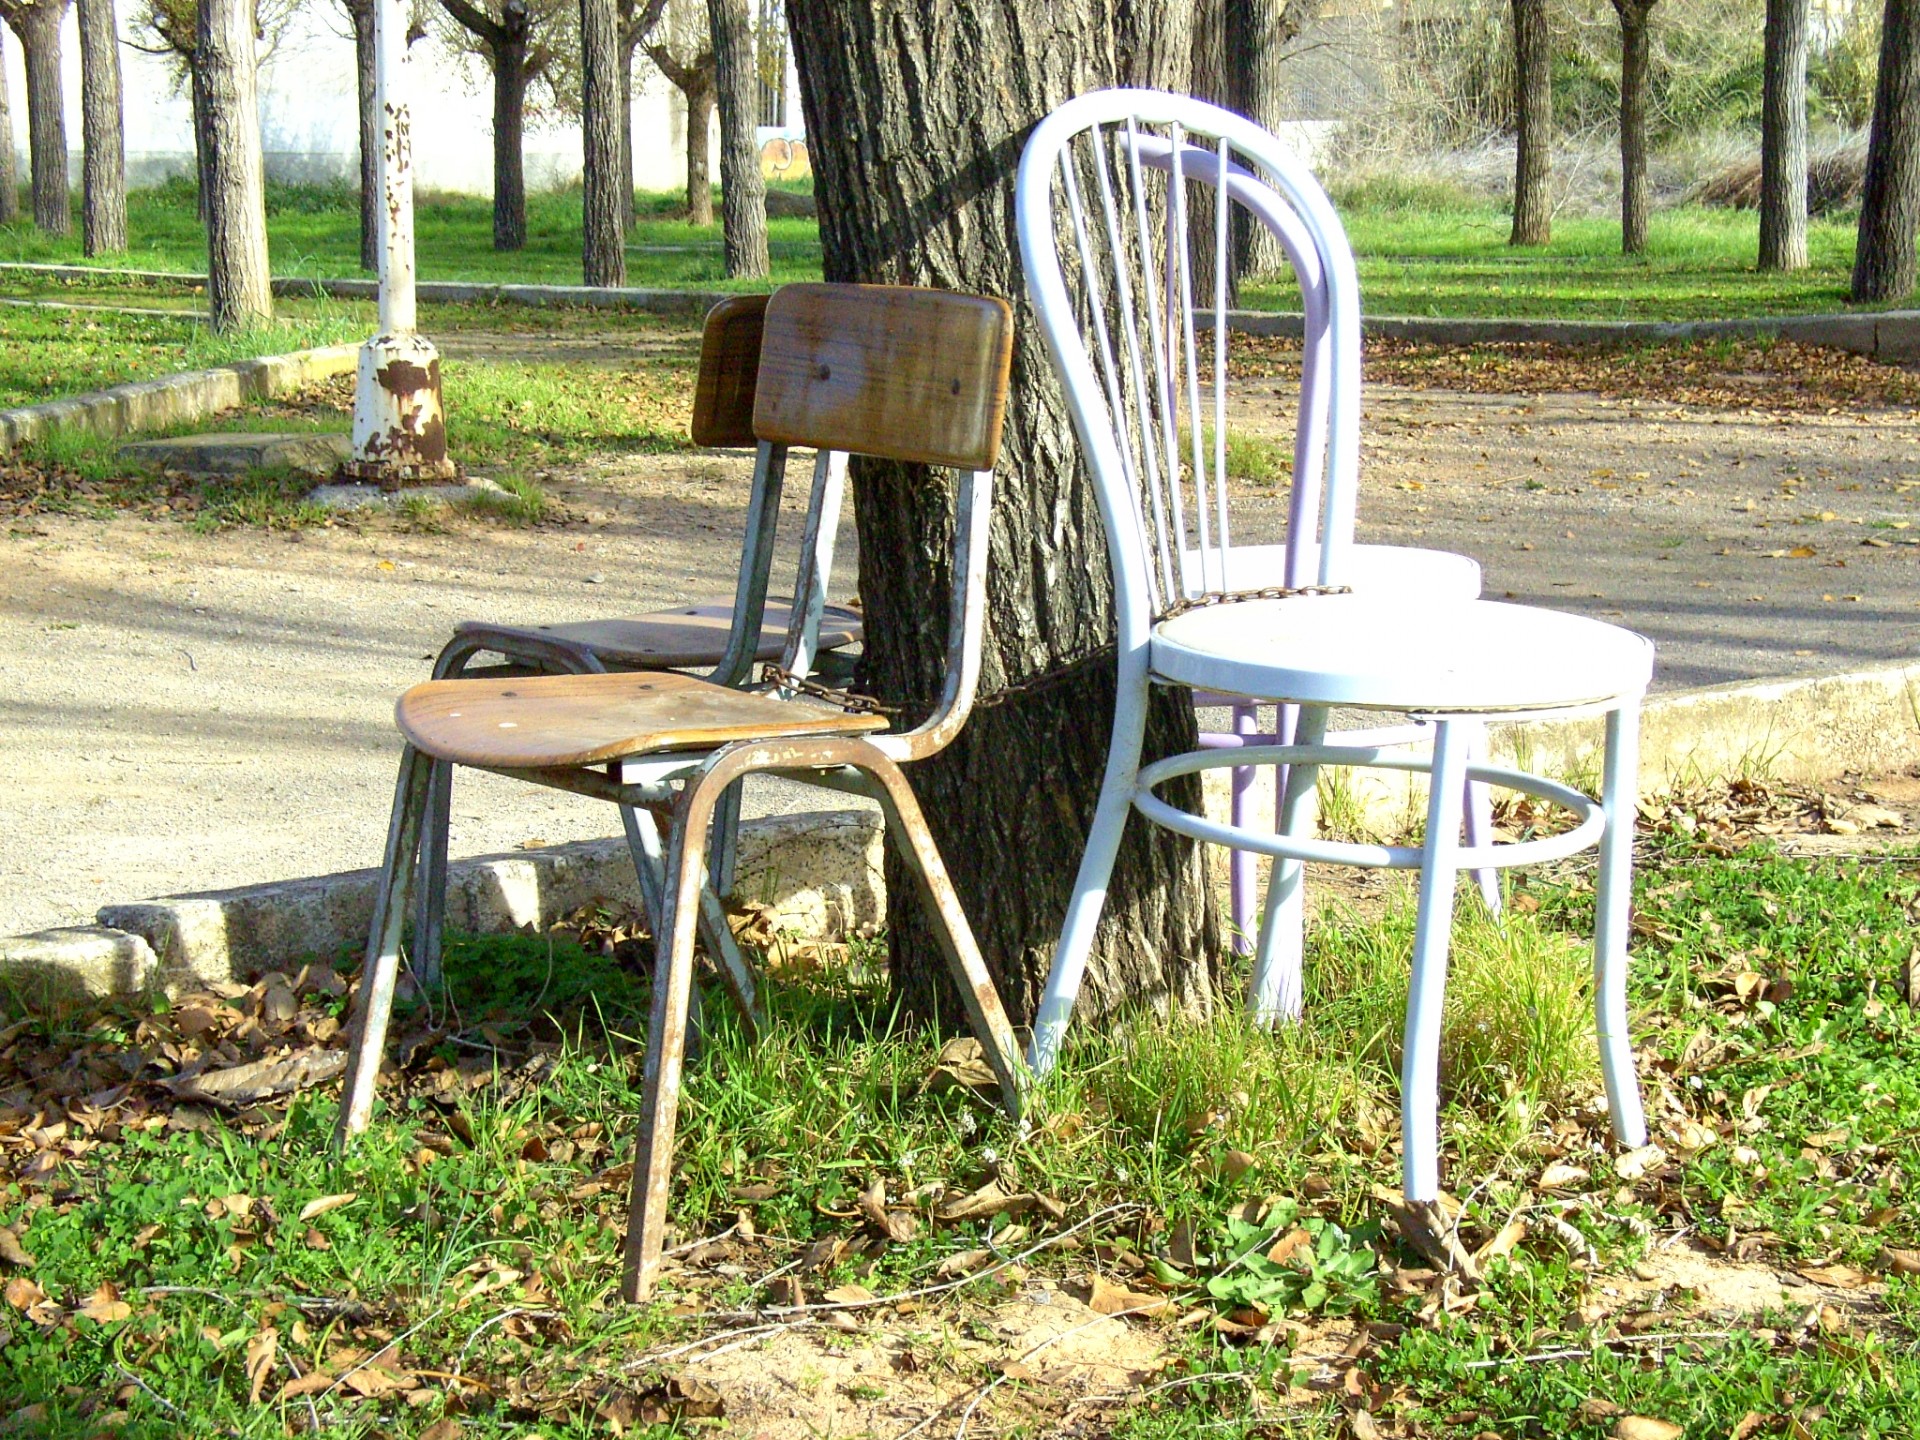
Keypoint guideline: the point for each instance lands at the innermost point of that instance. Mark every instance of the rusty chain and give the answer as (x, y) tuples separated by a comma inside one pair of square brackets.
[(855, 703)]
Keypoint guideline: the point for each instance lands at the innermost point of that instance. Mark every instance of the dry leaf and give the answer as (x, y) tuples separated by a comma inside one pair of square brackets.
[(1362, 1426), (22, 1293), (989, 1200), (962, 1065), (10, 1250), (1109, 1299), (1636, 1163), (105, 1306), (848, 1295), (1747, 1425), (1560, 1174), (445, 1428), (311, 1383), (261, 1350), (242, 1085), (964, 1263), (1840, 1277), (1511, 1234), (1596, 1408), (1641, 1427), (374, 1382), (1288, 1246), (1903, 1262), (313, 1209)]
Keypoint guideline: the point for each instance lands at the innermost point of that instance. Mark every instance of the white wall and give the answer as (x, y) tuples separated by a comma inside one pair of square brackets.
[(308, 125)]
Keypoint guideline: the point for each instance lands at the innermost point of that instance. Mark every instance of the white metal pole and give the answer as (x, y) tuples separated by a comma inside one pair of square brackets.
[(399, 428)]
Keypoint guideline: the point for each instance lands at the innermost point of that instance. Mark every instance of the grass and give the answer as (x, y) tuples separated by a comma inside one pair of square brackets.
[(1423, 250), (480, 1235)]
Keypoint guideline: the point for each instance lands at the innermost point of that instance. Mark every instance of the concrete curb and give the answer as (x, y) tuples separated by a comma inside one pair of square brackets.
[(1889, 335), (172, 399), (441, 292), (821, 872)]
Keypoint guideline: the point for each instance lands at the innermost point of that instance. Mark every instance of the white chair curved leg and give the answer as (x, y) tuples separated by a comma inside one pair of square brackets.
[(1089, 898), (1426, 996), (1612, 896), (1277, 992), (1479, 809)]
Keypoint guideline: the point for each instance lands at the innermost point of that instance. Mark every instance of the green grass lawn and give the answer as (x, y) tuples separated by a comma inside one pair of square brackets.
[(1420, 254), (179, 1269)]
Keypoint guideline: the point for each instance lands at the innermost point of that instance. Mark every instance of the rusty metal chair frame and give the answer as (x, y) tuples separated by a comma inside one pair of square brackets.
[(910, 375), (722, 419)]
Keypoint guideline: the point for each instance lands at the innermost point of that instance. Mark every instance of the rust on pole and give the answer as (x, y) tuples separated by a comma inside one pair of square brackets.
[(399, 426)]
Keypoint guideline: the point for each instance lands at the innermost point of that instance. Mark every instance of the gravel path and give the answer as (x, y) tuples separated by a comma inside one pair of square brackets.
[(190, 712)]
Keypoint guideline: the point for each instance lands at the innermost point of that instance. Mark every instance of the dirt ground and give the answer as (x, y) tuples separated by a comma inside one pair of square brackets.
[(186, 712)]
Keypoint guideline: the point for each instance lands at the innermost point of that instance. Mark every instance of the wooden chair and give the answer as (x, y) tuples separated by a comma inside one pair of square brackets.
[(910, 375), (725, 638), (1116, 304)]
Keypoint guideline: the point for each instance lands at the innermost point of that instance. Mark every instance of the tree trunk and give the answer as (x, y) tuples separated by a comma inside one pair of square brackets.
[(1533, 124), (1206, 80), (360, 12), (103, 205), (699, 174), (629, 42), (38, 26), (9, 173), (603, 259), (1634, 199), (743, 189), (202, 144), (509, 154), (1783, 138), (1255, 37), (915, 159), (1883, 260), (239, 285)]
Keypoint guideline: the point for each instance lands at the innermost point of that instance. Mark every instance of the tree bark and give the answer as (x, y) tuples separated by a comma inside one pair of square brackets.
[(103, 174), (38, 26), (1783, 138), (9, 172), (629, 42), (202, 145), (1255, 37), (699, 100), (915, 157), (1533, 124), (1634, 198), (743, 189), (360, 13), (1206, 80), (239, 285), (1883, 259), (508, 43), (603, 258)]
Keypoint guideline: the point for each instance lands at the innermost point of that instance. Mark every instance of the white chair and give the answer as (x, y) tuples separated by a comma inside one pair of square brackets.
[(1112, 288), (1405, 572)]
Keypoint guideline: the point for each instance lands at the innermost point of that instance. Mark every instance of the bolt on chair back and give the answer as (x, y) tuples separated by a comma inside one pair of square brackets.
[(1105, 243), (724, 638), (918, 376)]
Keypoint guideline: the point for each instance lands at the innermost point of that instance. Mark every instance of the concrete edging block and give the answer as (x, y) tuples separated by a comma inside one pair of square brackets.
[(76, 961)]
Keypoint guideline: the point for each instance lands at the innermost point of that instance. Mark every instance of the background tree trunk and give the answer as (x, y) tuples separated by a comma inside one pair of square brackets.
[(1883, 258), (1207, 80), (1634, 199), (38, 26), (699, 98), (1255, 36), (1533, 124), (360, 12), (603, 259), (1783, 138), (103, 205), (915, 159), (743, 189), (239, 285), (629, 42), (9, 171), (509, 153)]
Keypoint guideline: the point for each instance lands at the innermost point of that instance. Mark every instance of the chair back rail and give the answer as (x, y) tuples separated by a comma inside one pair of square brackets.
[(904, 374), (729, 361), (1103, 196)]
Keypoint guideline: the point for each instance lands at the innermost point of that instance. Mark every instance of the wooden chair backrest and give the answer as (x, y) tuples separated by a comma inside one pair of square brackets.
[(901, 373), (729, 363)]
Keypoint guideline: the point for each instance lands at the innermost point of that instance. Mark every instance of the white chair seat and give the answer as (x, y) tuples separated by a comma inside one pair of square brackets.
[(1386, 569), (1371, 653)]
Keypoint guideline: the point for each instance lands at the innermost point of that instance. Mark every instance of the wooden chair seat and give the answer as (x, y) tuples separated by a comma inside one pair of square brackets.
[(540, 722), (691, 635)]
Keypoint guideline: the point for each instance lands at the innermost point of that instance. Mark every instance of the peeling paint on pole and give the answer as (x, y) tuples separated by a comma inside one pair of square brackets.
[(399, 425)]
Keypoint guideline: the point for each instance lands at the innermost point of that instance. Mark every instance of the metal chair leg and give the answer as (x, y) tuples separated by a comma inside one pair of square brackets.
[(1240, 867), (666, 1045), (431, 894), (724, 848), (1613, 893), (1055, 1011), (907, 826), (368, 1036), (1479, 824), (1427, 990), (1277, 992)]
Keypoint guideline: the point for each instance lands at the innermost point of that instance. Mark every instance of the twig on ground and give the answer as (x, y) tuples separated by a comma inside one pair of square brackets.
[(1538, 1357), (1175, 1384), (487, 1324)]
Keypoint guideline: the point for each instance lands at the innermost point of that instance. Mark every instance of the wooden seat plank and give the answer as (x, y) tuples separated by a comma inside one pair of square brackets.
[(671, 639), (536, 722)]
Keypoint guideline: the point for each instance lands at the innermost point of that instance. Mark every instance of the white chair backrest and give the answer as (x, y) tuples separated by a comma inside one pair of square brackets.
[(1106, 245)]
